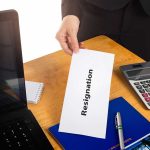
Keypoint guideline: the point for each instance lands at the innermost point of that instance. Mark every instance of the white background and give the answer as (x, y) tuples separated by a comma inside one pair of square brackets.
[(39, 22)]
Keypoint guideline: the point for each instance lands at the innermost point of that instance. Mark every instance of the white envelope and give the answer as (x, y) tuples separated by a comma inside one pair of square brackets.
[(86, 100)]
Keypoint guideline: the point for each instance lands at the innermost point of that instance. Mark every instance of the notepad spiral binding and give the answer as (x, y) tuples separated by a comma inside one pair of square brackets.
[(34, 91), (39, 92)]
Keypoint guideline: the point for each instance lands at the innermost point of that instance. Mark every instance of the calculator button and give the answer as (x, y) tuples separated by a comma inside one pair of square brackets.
[(143, 82), (136, 83), (142, 91), (139, 87), (144, 94), (145, 86), (147, 99), (147, 90), (148, 81)]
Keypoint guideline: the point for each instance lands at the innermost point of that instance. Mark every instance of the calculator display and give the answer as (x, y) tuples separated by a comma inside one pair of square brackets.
[(138, 72)]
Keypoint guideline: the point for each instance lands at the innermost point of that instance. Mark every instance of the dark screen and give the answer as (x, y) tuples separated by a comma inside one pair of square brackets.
[(138, 72), (11, 83)]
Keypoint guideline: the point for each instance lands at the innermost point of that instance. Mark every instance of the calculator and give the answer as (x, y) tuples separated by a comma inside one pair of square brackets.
[(138, 76)]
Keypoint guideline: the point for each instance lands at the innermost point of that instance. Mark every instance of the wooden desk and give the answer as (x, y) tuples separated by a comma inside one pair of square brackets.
[(53, 71)]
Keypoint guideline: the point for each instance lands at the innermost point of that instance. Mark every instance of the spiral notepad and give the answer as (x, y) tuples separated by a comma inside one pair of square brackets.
[(33, 91)]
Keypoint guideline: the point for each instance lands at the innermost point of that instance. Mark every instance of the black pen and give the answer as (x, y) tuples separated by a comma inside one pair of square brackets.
[(118, 122)]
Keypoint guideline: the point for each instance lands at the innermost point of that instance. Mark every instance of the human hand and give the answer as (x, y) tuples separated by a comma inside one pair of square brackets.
[(67, 34)]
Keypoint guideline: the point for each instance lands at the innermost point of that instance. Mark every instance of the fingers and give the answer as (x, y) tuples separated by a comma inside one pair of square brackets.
[(63, 40), (73, 43), (81, 45), (66, 48), (69, 43), (67, 35)]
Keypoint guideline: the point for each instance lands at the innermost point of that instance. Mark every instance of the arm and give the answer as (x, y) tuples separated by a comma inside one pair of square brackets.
[(71, 7)]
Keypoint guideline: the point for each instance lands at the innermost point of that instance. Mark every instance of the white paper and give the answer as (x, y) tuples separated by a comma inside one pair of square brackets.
[(85, 106)]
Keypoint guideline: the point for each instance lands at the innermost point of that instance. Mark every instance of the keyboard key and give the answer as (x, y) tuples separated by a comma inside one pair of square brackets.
[(136, 83), (4, 133), (139, 87), (144, 94), (19, 144), (9, 145), (24, 135), (148, 81), (147, 99), (148, 90), (142, 91), (143, 82), (145, 86)]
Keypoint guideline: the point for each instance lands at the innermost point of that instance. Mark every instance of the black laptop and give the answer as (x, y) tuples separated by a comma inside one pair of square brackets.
[(19, 129)]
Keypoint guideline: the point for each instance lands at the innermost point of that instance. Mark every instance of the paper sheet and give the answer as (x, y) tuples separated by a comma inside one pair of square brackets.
[(86, 100)]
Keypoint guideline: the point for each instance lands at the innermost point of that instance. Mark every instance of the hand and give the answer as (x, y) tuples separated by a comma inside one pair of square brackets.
[(67, 34)]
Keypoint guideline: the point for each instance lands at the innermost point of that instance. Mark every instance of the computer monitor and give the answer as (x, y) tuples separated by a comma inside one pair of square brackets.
[(12, 82)]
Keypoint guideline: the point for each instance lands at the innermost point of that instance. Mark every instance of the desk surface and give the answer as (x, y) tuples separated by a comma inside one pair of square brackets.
[(53, 70)]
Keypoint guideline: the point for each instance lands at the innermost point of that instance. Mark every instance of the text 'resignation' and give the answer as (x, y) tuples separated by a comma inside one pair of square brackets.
[(87, 93)]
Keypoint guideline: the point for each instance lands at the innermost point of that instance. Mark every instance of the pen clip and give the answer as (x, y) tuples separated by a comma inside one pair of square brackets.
[(116, 123)]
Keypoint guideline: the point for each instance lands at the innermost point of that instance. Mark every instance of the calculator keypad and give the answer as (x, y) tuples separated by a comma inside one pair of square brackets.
[(142, 87)]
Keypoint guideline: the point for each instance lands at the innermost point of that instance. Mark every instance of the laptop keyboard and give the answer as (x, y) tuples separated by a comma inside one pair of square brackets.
[(17, 136)]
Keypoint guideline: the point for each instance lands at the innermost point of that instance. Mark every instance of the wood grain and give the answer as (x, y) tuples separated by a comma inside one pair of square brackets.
[(53, 70)]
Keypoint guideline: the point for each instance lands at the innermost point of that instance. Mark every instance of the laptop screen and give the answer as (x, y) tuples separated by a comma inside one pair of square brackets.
[(12, 88)]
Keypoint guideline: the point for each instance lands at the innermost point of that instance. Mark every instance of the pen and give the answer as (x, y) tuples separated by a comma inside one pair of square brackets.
[(118, 122)]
